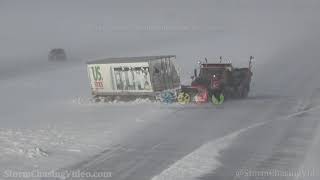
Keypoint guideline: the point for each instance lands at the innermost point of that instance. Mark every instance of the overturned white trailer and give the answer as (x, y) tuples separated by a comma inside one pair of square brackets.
[(132, 77)]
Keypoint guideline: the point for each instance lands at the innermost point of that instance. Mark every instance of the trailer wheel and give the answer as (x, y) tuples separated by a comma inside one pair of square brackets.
[(184, 98), (167, 97), (217, 100)]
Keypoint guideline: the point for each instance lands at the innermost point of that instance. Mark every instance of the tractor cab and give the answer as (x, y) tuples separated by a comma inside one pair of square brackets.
[(208, 72)]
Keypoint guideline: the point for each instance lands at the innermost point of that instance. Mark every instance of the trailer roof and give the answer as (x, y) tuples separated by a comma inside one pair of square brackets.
[(129, 59)]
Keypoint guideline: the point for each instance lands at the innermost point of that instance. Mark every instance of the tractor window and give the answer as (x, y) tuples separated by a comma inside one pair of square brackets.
[(208, 72)]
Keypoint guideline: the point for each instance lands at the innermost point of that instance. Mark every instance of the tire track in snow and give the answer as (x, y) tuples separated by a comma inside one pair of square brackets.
[(203, 160)]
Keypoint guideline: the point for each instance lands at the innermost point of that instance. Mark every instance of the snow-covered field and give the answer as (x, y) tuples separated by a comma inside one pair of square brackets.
[(49, 123)]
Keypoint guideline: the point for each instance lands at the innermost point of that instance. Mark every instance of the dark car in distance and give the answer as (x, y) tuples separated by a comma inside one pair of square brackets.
[(57, 54)]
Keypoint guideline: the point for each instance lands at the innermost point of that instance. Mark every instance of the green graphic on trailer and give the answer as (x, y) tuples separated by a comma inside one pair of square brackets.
[(96, 73)]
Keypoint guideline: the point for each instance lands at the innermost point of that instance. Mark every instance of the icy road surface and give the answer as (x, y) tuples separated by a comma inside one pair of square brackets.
[(49, 124)]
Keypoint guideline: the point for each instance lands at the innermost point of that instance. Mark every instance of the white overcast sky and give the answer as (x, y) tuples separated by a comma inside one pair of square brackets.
[(94, 28)]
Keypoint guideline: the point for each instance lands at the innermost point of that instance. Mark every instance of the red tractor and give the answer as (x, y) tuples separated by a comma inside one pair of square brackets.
[(217, 82)]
